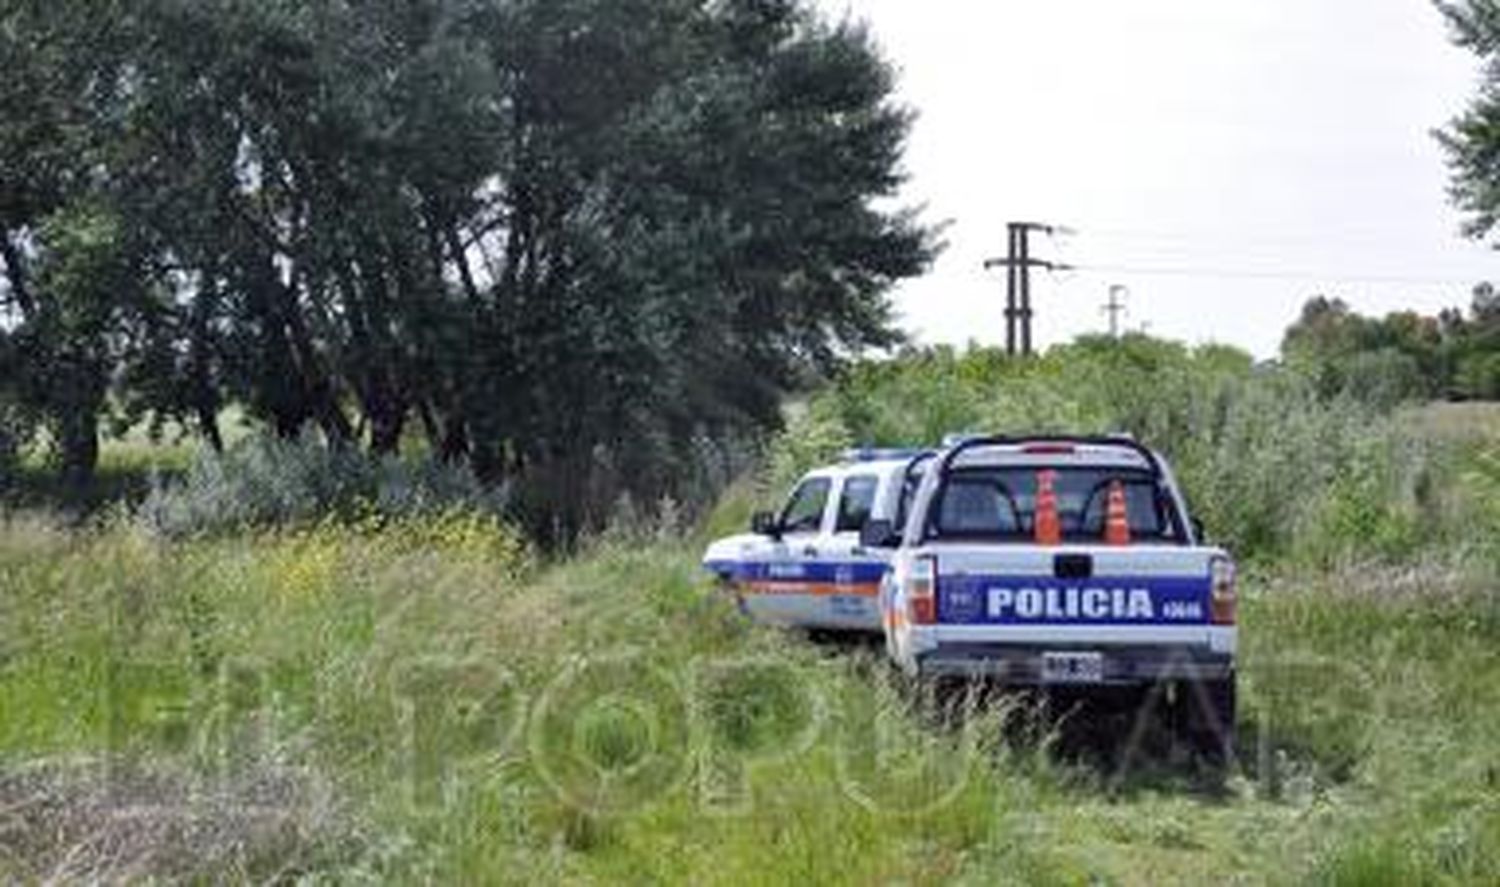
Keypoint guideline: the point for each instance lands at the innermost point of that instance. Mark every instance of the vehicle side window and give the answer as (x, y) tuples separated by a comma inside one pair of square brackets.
[(978, 506), (856, 502), (804, 511)]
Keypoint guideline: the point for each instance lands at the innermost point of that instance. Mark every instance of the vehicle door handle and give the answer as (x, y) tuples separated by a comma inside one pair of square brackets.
[(810, 551)]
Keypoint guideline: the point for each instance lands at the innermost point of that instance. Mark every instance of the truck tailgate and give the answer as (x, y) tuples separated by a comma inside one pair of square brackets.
[(1072, 585)]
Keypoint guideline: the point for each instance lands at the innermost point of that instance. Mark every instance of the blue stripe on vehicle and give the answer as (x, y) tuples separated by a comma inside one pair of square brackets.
[(1044, 600), (819, 572), (721, 568)]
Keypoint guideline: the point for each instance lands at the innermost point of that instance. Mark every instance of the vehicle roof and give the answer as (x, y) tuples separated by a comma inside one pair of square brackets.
[(1020, 452), (1023, 453), (867, 455), (869, 461)]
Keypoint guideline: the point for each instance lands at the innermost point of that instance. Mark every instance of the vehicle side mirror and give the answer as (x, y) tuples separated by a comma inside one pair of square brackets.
[(1200, 533), (879, 534), (764, 523)]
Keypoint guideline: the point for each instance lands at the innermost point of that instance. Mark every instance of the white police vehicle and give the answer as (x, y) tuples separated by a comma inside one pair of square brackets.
[(1061, 561), (804, 566)]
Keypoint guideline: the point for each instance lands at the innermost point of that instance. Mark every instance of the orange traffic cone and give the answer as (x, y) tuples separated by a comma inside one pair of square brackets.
[(1048, 527), (1116, 517)]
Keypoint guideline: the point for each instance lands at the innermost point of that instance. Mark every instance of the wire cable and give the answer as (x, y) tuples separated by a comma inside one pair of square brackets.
[(1251, 274)]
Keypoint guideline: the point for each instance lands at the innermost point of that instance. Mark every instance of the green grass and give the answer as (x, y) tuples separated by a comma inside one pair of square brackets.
[(425, 699), (469, 714)]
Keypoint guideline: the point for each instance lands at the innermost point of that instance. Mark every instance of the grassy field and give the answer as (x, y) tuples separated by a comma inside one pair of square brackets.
[(423, 697), (428, 701)]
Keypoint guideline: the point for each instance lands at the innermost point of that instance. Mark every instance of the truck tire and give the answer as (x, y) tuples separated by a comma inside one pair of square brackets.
[(1209, 719)]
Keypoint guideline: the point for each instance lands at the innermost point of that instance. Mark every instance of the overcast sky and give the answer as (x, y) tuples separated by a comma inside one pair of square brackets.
[(1245, 139)]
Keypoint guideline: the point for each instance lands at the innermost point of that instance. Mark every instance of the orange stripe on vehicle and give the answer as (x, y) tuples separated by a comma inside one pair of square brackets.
[(812, 589)]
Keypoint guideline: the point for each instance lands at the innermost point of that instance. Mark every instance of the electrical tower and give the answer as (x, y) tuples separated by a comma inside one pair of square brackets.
[(1018, 264), (1116, 308)]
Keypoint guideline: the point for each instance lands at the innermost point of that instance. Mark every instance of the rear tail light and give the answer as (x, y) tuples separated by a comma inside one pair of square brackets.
[(921, 591), (1223, 596)]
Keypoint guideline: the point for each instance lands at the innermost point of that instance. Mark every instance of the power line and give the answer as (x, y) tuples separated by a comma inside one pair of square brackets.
[(1221, 254), (1216, 238), (1252, 274)]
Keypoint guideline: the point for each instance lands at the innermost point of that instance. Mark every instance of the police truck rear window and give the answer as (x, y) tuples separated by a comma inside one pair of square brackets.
[(1000, 504)]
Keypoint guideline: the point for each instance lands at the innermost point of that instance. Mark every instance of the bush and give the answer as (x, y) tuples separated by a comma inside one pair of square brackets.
[(1386, 377), (1272, 467), (265, 482), (1479, 376)]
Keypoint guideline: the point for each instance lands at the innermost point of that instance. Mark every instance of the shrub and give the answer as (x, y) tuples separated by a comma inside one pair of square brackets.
[(1271, 466), (1479, 376), (265, 482)]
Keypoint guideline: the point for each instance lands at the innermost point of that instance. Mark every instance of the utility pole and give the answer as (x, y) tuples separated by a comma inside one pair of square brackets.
[(1012, 274), (1025, 307), (1018, 264), (1115, 308)]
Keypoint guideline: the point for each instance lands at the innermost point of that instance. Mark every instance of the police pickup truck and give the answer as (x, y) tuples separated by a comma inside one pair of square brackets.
[(1061, 561), (804, 566)]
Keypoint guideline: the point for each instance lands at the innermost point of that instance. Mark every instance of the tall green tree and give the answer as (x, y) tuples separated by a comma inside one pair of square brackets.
[(70, 267), (1472, 143), (577, 243), (1472, 140)]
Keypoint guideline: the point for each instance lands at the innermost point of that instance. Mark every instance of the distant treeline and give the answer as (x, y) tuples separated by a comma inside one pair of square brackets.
[(1455, 355), (1405, 355), (583, 246)]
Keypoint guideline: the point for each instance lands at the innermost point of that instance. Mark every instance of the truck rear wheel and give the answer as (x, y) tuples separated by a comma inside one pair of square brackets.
[(1208, 718)]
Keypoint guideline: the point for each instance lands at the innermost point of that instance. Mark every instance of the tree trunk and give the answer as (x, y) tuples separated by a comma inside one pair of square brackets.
[(78, 450), (455, 440), (386, 424), (208, 425), (318, 387), (465, 274), (430, 425), (205, 395)]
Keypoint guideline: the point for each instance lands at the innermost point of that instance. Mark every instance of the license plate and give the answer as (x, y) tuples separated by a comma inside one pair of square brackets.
[(1073, 668)]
